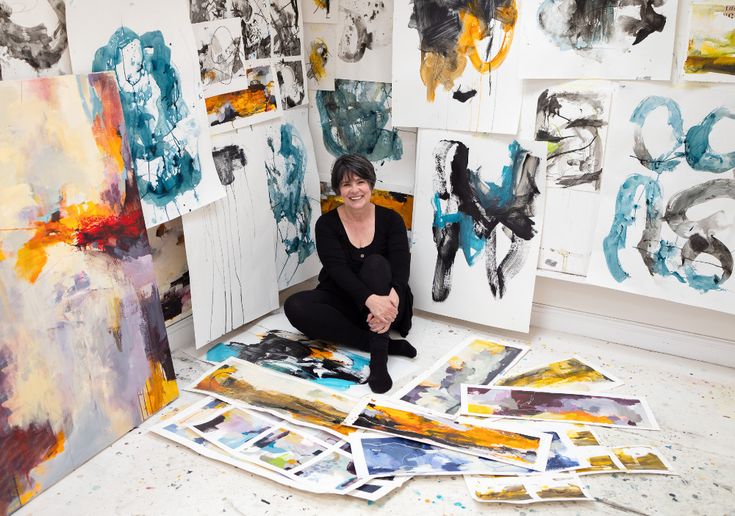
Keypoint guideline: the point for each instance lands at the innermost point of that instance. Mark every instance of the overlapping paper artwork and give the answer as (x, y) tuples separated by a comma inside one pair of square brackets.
[(463, 58), (365, 39), (151, 50), (33, 40), (475, 361), (610, 39), (527, 489), (321, 55), (710, 52), (476, 234), (625, 459), (83, 347), (571, 373), (172, 270), (663, 229)]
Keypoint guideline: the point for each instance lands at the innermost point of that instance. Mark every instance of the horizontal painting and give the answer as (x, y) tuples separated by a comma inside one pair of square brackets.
[(546, 488), (232, 428), (710, 52), (571, 373), (287, 449)]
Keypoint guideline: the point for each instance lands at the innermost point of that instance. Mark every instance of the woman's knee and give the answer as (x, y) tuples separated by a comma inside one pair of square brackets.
[(377, 266), (295, 307)]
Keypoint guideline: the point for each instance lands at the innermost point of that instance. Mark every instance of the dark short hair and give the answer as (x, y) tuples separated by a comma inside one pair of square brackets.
[(352, 164)]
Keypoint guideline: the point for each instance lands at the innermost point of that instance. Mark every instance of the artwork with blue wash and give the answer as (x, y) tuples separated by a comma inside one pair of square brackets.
[(607, 39), (365, 40), (476, 235), (294, 354), (356, 118), (155, 64), (665, 228)]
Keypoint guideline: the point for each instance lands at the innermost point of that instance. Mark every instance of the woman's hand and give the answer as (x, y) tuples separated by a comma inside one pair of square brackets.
[(377, 326), (382, 308), (393, 296)]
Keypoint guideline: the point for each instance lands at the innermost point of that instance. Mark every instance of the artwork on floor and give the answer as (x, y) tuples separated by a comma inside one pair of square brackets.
[(232, 428), (399, 202), (529, 449), (525, 490), (365, 40), (321, 362), (477, 361), (580, 435), (292, 83), (625, 459), (572, 373), (455, 65), (73, 248), (710, 51), (286, 449), (544, 405), (33, 39), (356, 118), (609, 39), (663, 229), (287, 397), (320, 11), (476, 235), (172, 270), (321, 55), (151, 50)]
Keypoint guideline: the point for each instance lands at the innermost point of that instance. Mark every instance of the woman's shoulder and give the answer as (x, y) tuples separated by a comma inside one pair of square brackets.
[(388, 215), (329, 219)]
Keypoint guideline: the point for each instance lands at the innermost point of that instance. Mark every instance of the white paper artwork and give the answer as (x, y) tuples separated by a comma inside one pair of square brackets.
[(708, 52), (150, 47), (476, 226), (666, 226), (455, 70), (364, 48), (609, 39), (320, 48), (320, 11)]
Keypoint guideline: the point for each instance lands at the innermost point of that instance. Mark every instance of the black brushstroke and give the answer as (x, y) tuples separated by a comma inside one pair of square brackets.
[(211, 425), (292, 85), (226, 160), (256, 37), (352, 51), (463, 96), (172, 301), (285, 25)]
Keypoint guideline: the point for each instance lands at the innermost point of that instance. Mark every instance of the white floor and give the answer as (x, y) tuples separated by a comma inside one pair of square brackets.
[(694, 403)]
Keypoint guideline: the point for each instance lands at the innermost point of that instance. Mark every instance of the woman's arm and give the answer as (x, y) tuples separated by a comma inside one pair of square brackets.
[(399, 255)]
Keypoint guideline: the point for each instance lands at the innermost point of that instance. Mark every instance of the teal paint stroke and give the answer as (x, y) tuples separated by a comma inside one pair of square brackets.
[(699, 153), (667, 161), (155, 113)]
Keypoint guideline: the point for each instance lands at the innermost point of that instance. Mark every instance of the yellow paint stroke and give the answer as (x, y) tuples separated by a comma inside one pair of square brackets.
[(506, 493), (159, 391), (711, 47), (321, 4), (640, 458), (599, 463), (400, 203), (318, 56), (244, 102), (565, 491), (582, 438), (3, 256), (557, 373)]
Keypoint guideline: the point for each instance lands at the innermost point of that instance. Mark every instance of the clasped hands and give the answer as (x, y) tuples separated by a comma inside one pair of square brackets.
[(383, 311)]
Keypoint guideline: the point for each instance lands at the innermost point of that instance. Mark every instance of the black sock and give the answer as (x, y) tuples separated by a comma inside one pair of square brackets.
[(401, 347), (379, 379)]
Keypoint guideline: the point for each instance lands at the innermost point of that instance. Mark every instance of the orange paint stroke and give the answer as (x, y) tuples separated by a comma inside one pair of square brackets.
[(245, 102), (159, 391), (400, 203)]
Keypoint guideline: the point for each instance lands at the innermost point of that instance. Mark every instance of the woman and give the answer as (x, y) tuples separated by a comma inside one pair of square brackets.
[(363, 287)]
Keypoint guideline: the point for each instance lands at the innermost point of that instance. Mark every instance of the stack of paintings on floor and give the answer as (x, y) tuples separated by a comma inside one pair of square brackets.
[(287, 408)]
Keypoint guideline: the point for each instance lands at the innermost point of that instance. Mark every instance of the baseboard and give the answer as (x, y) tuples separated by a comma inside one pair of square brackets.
[(635, 334), (181, 333)]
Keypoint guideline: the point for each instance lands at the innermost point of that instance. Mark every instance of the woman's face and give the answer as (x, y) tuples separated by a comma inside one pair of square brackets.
[(355, 191)]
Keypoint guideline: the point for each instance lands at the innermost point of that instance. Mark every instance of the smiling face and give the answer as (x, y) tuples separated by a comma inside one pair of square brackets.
[(355, 191)]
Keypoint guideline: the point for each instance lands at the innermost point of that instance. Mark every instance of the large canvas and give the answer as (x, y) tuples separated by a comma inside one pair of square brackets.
[(365, 38), (33, 39), (321, 55), (476, 233), (150, 47), (172, 270), (664, 228), (356, 118), (455, 65), (710, 51), (83, 347), (475, 360), (608, 39)]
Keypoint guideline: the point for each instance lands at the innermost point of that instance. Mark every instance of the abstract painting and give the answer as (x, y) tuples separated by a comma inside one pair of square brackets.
[(151, 49), (606, 39), (320, 11), (571, 373), (335, 470), (573, 407), (286, 27), (232, 428), (365, 39), (525, 448), (287, 449), (321, 55), (172, 270), (663, 229), (287, 397), (33, 39), (292, 83), (320, 362), (475, 360), (398, 202), (455, 65), (625, 459), (544, 488), (476, 235), (220, 49), (710, 52), (356, 118), (83, 347)]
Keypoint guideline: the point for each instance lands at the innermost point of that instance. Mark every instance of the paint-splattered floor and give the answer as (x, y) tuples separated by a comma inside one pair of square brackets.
[(693, 402)]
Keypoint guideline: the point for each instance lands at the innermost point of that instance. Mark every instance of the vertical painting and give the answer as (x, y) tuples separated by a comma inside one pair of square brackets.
[(606, 39), (291, 82), (455, 65), (33, 40), (365, 39), (83, 347), (286, 28), (665, 227), (710, 51), (321, 55), (320, 11), (357, 118), (476, 233), (172, 270), (151, 49)]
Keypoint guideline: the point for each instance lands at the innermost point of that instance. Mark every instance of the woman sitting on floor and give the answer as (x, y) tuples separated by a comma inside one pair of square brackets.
[(363, 286)]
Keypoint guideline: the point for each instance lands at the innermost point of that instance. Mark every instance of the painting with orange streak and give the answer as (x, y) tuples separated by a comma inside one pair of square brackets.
[(545, 405), (571, 373), (462, 57), (528, 448), (294, 399), (399, 202), (84, 355)]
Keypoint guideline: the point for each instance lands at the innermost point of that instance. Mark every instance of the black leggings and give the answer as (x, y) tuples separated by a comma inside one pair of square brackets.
[(334, 317)]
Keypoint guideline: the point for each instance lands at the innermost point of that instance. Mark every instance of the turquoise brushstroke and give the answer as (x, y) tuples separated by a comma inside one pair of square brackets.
[(699, 153), (221, 352), (666, 161)]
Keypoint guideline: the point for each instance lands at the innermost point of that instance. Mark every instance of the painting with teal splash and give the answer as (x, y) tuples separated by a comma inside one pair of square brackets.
[(354, 119), (156, 115)]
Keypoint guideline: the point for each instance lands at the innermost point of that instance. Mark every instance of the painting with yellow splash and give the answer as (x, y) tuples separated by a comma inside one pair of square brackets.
[(710, 52), (455, 65), (571, 373), (641, 459), (546, 405), (525, 490), (399, 202), (84, 356), (475, 361)]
